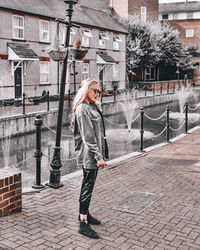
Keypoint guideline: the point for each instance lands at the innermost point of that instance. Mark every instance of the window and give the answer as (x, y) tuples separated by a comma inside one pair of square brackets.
[(143, 14), (189, 15), (44, 73), (149, 73), (72, 33), (116, 41), (44, 31), (165, 16), (189, 33), (116, 72), (86, 38), (85, 71), (102, 40), (175, 16), (18, 27)]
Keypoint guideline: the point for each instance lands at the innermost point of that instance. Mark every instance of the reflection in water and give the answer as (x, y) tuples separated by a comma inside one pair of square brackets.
[(121, 142)]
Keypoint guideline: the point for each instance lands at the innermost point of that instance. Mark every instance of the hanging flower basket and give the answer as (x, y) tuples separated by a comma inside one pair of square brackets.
[(57, 55), (79, 53)]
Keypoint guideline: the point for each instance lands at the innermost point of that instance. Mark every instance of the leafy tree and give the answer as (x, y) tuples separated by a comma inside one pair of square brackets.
[(156, 44)]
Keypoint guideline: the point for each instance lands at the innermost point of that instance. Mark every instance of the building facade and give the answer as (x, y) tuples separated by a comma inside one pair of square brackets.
[(28, 32), (184, 17), (145, 9)]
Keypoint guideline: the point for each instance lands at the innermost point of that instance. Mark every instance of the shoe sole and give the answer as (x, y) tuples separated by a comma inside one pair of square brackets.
[(92, 237)]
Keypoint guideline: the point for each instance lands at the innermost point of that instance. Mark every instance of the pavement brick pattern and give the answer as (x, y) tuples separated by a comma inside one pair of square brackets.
[(171, 221)]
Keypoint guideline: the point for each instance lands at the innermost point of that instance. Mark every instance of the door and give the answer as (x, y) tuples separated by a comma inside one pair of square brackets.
[(18, 79)]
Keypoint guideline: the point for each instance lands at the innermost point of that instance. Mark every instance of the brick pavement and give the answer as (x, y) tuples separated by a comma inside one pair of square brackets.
[(170, 174)]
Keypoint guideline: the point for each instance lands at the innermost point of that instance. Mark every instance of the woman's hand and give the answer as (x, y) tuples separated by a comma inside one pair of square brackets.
[(101, 163)]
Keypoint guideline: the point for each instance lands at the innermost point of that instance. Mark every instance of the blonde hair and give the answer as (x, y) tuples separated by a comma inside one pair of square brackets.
[(82, 94)]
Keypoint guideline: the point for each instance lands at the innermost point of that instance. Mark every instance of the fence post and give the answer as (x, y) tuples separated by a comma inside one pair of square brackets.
[(23, 104), (186, 118), (38, 153), (167, 124), (141, 129), (69, 104), (154, 86), (161, 88), (48, 100), (167, 87)]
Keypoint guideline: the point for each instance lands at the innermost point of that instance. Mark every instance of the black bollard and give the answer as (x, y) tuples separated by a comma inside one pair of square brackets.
[(38, 153), (186, 118), (167, 124), (141, 129), (47, 100), (23, 104)]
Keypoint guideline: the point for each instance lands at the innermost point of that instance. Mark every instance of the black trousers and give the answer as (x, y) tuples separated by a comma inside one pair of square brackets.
[(89, 178)]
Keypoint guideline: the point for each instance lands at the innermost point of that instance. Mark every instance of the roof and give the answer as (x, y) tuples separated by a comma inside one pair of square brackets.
[(21, 52), (179, 7), (95, 13), (104, 58)]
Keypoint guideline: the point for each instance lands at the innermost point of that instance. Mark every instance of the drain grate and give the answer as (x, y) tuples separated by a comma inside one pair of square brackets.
[(136, 203)]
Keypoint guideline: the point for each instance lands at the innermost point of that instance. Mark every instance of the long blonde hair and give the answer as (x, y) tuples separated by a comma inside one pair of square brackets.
[(82, 94)]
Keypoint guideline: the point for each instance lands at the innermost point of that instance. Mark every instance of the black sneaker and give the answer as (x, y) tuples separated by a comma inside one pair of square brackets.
[(86, 230), (91, 220)]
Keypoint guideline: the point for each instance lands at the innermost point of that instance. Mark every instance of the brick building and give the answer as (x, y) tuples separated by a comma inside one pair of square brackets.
[(30, 30), (185, 18), (145, 9)]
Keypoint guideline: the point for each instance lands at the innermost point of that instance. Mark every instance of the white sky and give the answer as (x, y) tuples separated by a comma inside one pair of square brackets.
[(175, 1)]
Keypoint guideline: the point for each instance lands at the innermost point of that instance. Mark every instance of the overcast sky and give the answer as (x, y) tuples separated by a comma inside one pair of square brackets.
[(175, 1)]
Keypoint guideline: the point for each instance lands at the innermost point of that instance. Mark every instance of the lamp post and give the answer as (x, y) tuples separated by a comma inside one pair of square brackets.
[(55, 172), (178, 72)]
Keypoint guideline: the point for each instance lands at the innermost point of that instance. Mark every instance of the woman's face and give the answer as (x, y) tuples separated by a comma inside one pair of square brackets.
[(94, 92)]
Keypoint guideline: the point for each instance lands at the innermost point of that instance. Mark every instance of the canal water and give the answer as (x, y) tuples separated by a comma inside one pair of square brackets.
[(121, 141)]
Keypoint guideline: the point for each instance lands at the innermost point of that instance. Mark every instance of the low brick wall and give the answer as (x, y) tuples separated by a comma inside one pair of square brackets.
[(10, 192)]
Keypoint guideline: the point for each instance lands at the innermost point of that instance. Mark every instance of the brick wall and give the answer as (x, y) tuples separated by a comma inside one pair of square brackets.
[(151, 6), (182, 25), (126, 7), (10, 193)]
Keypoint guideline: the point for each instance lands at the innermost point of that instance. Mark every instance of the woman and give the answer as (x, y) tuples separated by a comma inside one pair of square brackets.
[(90, 147)]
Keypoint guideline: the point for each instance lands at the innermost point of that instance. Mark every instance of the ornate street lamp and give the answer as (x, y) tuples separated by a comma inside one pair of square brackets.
[(55, 172)]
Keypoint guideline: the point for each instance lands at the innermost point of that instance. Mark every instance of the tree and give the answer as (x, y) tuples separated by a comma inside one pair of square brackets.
[(155, 44)]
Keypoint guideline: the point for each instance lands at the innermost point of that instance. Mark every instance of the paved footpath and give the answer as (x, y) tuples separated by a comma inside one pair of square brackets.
[(151, 201)]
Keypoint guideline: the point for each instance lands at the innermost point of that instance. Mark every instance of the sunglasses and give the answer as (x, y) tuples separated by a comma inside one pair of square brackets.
[(96, 91)]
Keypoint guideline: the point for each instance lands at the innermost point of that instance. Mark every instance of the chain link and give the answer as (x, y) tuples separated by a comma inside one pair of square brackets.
[(193, 108), (154, 119), (160, 132), (177, 128)]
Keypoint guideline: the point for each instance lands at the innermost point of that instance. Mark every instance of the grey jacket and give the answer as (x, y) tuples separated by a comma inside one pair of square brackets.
[(88, 136)]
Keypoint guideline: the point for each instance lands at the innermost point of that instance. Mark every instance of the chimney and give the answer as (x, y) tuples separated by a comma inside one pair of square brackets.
[(111, 3)]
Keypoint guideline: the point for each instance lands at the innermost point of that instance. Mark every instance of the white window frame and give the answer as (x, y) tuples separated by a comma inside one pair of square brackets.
[(86, 38), (190, 15), (149, 73), (116, 41), (44, 31), (85, 71), (189, 33), (143, 13), (115, 72), (17, 27), (47, 72), (102, 40), (72, 33)]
